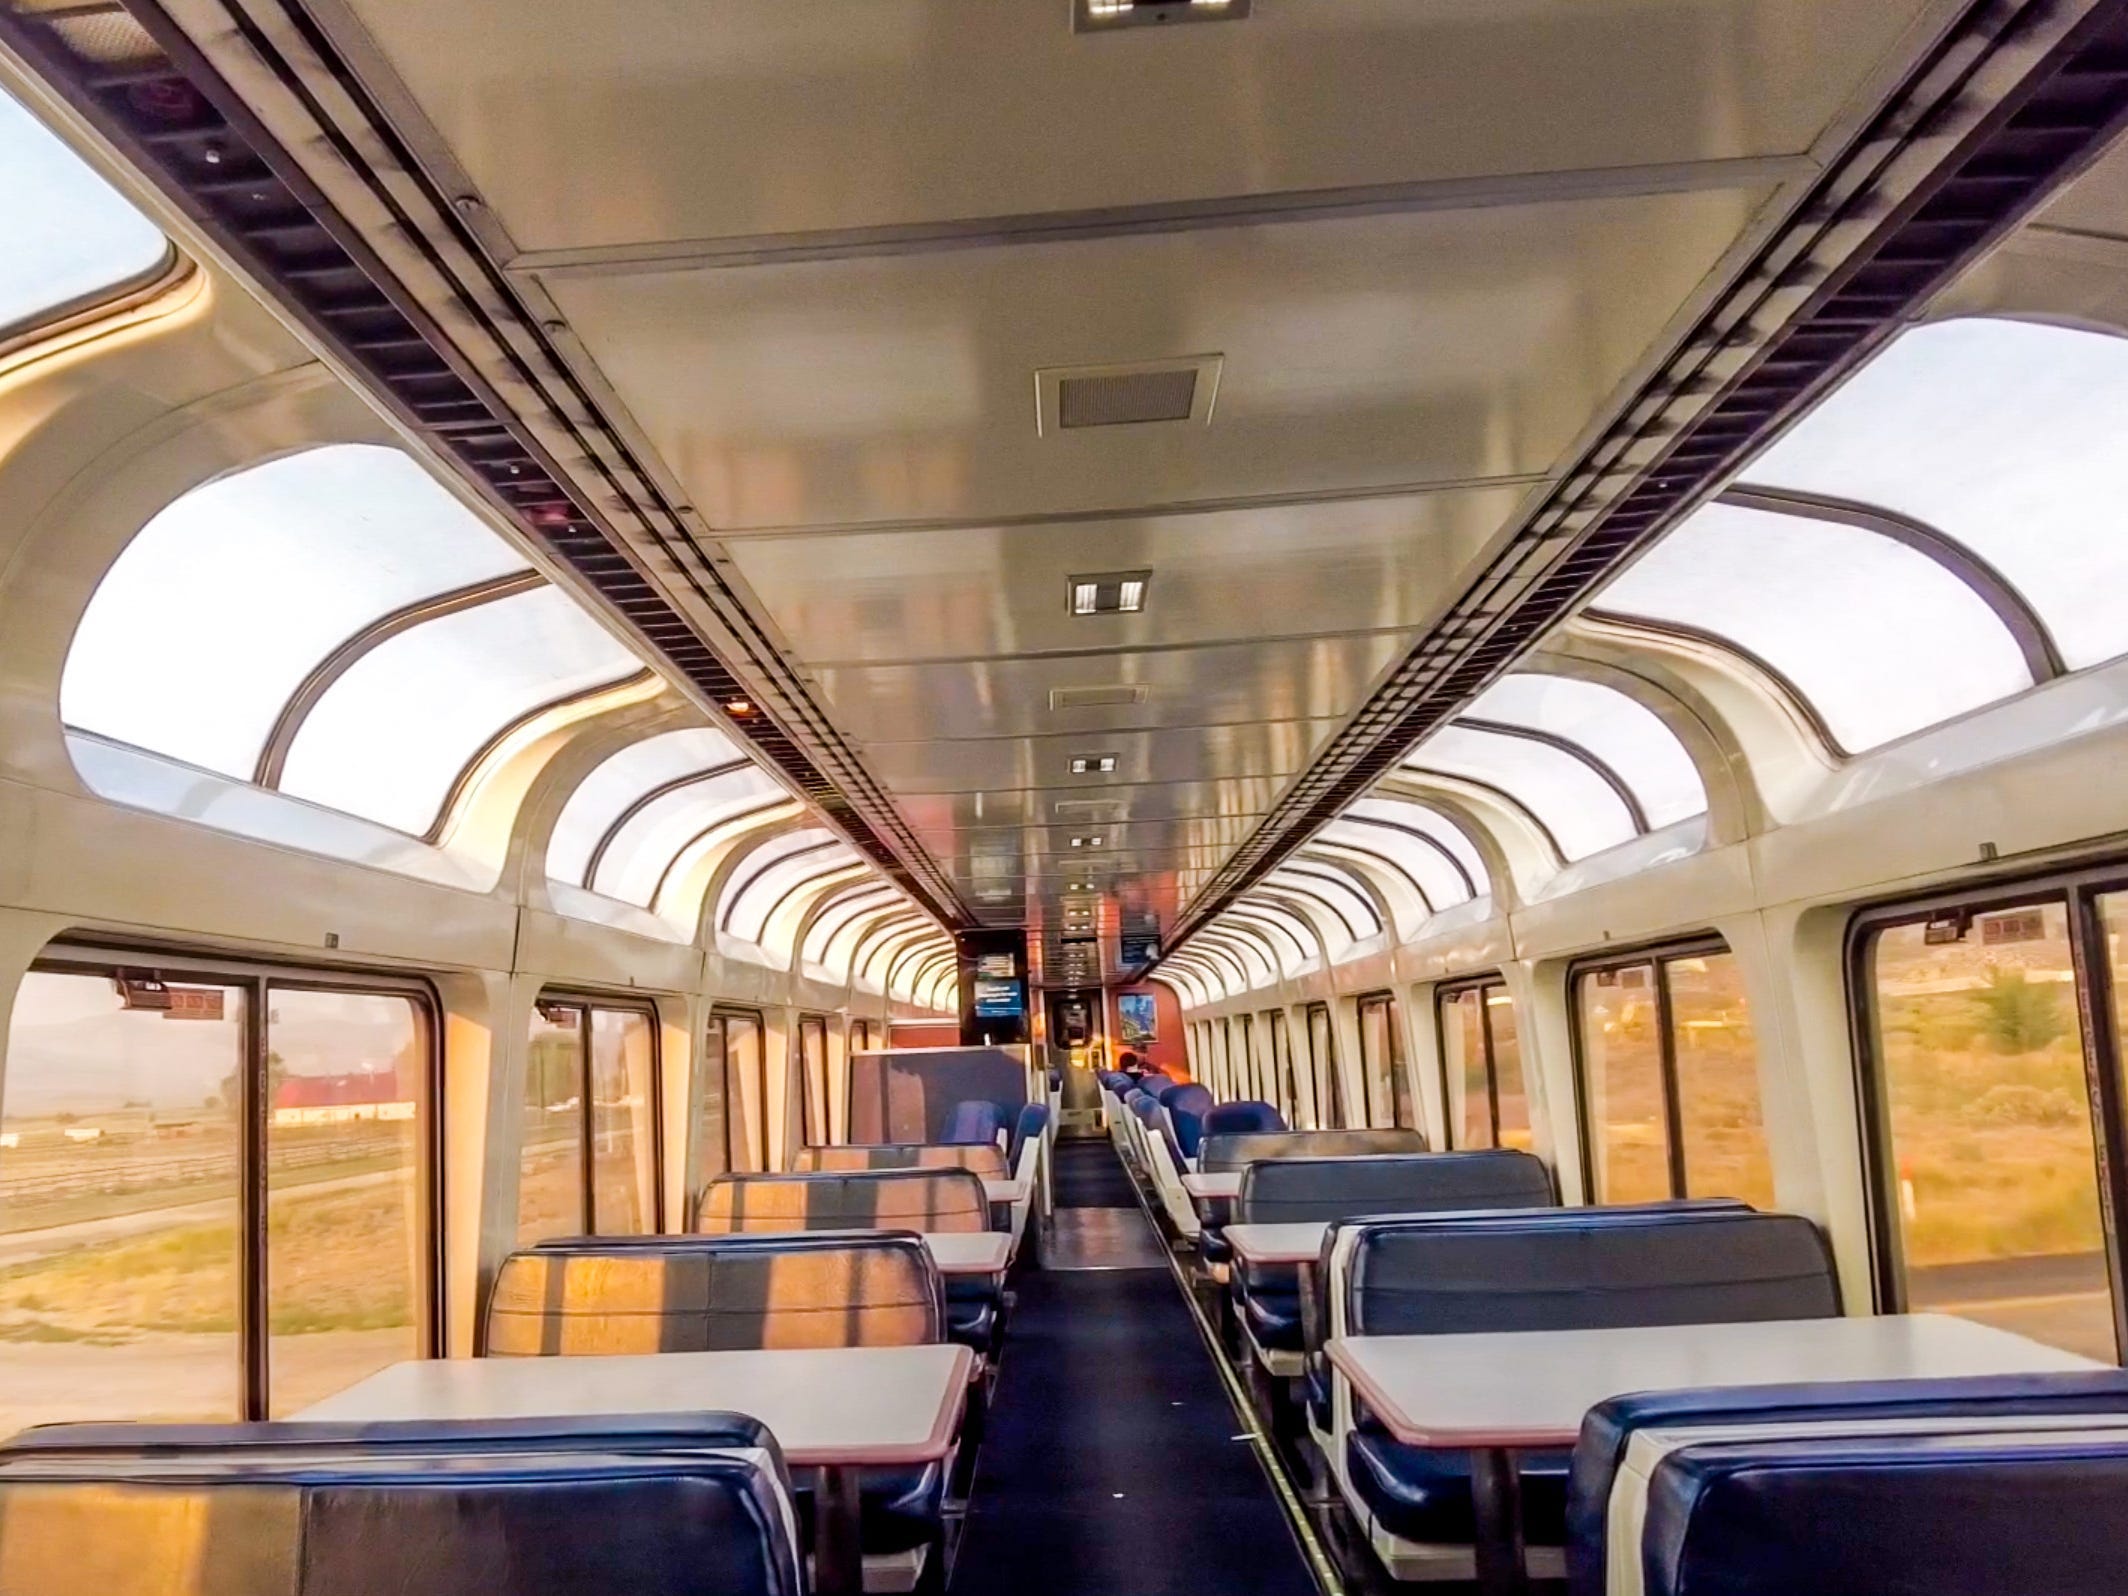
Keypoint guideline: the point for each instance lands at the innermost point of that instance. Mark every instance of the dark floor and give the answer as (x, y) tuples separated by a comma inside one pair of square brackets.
[(1112, 1465)]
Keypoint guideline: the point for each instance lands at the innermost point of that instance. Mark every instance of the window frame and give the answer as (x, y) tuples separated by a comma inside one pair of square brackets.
[(1399, 1061), (1659, 955), (1325, 1084), (2078, 889), (812, 1022), (719, 1015), (258, 979), (584, 1000)]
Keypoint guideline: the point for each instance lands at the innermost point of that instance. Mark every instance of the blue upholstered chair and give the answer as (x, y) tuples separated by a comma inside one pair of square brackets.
[(974, 1120), (1186, 1107), (1228, 1119), (1033, 1121)]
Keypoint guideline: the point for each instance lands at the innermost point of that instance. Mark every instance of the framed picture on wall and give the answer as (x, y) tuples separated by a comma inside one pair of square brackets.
[(1134, 1018)]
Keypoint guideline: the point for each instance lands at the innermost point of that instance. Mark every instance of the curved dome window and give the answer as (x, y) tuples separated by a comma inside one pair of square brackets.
[(333, 624), (72, 239)]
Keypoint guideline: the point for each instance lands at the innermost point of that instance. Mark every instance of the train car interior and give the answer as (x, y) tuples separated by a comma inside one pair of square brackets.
[(1053, 797)]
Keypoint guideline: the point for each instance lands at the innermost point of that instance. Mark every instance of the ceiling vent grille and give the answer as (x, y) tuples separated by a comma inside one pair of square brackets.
[(1126, 400), (1142, 393), (1109, 697)]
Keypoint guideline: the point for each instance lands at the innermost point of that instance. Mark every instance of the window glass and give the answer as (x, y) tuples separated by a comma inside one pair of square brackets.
[(1430, 824), (621, 786), (1429, 868), (385, 743), (752, 909), (1287, 936), (1622, 1077), (641, 857), (1510, 1088), (811, 846), (550, 1177), (1626, 736), (624, 1106), (71, 236), (1322, 1060), (347, 1075), (119, 1181), (1345, 913), (845, 908), (195, 639), (1575, 805), (1382, 1062), (1881, 640), (2011, 437), (1288, 1098), (1464, 1069), (813, 1076), (1985, 1101), (1719, 1124), (745, 1092)]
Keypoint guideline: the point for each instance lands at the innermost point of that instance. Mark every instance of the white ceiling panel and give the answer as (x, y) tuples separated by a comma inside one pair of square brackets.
[(1365, 353), (1191, 686), (1305, 568), (613, 124)]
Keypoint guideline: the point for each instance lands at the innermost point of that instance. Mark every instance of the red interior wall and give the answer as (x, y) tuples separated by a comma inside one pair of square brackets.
[(1167, 1053), (945, 1033)]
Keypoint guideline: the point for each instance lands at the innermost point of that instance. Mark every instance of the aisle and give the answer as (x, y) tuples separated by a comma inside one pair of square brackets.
[(1111, 1467)]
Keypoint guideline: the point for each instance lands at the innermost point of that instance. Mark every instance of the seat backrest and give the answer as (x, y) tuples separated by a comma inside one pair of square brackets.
[(1292, 1190), (1244, 1118), (2038, 1511), (1032, 1124), (1186, 1107), (717, 1294), (520, 1508), (881, 1199), (985, 1159), (976, 1120), (1610, 1427), (1509, 1272), (1222, 1154)]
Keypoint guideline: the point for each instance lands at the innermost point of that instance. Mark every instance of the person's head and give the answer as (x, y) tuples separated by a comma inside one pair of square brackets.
[(1128, 1062)]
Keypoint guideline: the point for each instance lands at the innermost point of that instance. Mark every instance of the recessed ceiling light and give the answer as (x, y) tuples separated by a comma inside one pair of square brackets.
[(1096, 15), (1092, 764), (1108, 592)]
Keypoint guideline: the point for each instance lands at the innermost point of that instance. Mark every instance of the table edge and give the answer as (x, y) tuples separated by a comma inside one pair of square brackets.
[(1434, 1437)]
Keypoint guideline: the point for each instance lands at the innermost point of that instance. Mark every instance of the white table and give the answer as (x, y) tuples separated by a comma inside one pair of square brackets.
[(1205, 1188), (970, 1252), (838, 1410), (1490, 1395), (1298, 1242), (1005, 1191)]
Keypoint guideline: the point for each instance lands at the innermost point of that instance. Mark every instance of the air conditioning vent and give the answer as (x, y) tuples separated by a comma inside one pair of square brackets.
[(1137, 394), (1126, 400), (1109, 697)]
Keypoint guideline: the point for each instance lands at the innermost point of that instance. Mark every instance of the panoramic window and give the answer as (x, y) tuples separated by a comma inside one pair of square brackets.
[(589, 1160), (737, 1057), (1623, 741), (1481, 1068), (288, 625), (1669, 1079), (1990, 1169), (1577, 811), (813, 1076), (630, 816), (1329, 1103), (72, 238), (1388, 1081), (1940, 533), (123, 1156)]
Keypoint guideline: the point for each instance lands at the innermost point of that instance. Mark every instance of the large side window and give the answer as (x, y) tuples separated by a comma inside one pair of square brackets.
[(135, 1281), (1285, 1089), (1382, 1062), (1669, 1078), (1322, 1066), (1481, 1067), (589, 1159), (1990, 1167), (1250, 1084), (737, 1048), (813, 1076)]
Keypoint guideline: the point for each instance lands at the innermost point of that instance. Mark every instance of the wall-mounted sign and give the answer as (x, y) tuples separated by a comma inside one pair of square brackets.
[(998, 966), (1137, 947)]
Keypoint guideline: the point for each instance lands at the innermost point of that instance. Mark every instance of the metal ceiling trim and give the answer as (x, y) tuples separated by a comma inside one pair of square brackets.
[(510, 416), (2014, 99)]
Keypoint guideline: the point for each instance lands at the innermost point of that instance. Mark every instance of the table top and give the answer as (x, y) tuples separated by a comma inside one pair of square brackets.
[(1226, 1183), (835, 1406), (970, 1252), (1300, 1242), (1005, 1191), (1533, 1388)]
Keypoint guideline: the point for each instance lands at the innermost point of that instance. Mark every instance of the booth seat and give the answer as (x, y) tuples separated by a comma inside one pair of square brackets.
[(1030, 1152), (984, 1159), (1229, 1151), (2038, 1511), (977, 1121), (1287, 1191), (616, 1295), (1163, 1164), (664, 1506), (1562, 1270), (1243, 1118), (1609, 1430), (1186, 1106)]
